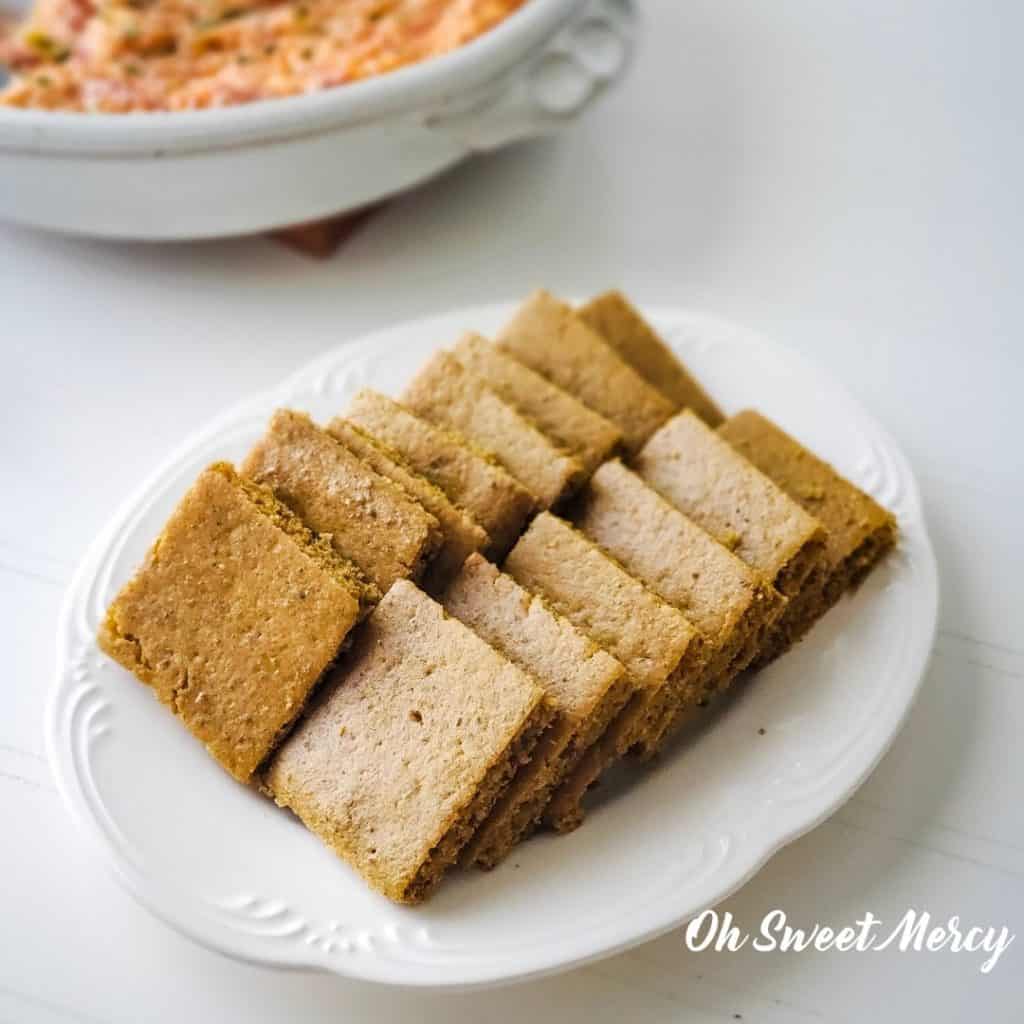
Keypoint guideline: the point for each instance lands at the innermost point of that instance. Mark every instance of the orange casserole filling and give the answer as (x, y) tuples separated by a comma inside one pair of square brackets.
[(124, 55)]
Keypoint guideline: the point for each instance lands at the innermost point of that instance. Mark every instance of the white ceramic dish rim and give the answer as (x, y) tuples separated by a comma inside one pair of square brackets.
[(180, 910), (415, 87)]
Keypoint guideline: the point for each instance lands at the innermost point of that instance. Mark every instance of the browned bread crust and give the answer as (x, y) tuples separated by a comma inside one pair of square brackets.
[(659, 648), (722, 596), (234, 616), (567, 421), (585, 685), (498, 502), (858, 530), (549, 337), (704, 476), (618, 321), (445, 393), (462, 534), (369, 518)]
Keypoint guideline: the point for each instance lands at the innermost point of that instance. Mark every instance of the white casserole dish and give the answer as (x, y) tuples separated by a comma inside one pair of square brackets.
[(250, 168)]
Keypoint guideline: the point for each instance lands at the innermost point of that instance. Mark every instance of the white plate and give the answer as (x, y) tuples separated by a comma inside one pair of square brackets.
[(228, 868)]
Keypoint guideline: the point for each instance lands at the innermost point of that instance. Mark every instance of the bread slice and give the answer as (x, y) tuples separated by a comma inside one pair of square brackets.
[(724, 598), (705, 477), (498, 502), (858, 530), (659, 648), (615, 318), (234, 616), (370, 519), (551, 339), (565, 419), (461, 533), (419, 729), (447, 394), (586, 686)]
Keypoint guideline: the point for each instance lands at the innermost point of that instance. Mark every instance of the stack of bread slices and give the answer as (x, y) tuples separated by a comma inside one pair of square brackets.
[(431, 624)]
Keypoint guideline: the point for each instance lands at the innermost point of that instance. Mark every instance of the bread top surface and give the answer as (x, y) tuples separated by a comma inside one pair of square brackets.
[(406, 728), (446, 393), (498, 502), (574, 670), (666, 549), (849, 515), (548, 336), (641, 630), (587, 434), (231, 619), (369, 518), (618, 321), (705, 477)]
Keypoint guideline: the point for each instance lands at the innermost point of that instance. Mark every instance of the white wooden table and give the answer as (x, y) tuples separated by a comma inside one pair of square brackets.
[(843, 176)]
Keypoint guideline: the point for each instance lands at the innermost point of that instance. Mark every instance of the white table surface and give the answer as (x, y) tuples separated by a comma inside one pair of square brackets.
[(845, 177)]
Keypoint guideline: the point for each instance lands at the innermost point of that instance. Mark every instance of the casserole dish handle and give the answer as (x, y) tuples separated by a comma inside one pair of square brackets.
[(551, 86)]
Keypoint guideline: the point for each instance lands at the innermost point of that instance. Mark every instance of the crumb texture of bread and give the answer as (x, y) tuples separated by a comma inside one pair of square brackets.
[(415, 734), (648, 636), (666, 550), (320, 548), (498, 502), (620, 324), (548, 336), (707, 479), (368, 517), (592, 750), (233, 619), (858, 530), (663, 548), (565, 419), (445, 393), (594, 593), (515, 810), (517, 757), (574, 670), (584, 684), (462, 534), (565, 811), (684, 691)]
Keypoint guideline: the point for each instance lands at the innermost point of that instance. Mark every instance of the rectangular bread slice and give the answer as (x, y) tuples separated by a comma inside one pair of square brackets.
[(705, 477), (615, 318), (550, 338), (445, 393), (722, 596), (858, 530), (586, 686), (419, 729), (234, 616), (565, 419), (462, 534), (659, 648), (498, 502), (370, 519)]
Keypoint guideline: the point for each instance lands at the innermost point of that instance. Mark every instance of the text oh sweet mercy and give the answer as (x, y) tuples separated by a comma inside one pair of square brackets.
[(914, 931)]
